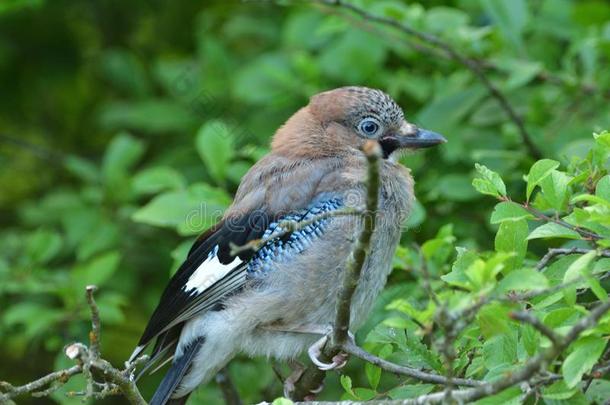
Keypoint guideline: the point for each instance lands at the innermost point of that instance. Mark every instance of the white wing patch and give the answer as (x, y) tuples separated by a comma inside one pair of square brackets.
[(209, 272)]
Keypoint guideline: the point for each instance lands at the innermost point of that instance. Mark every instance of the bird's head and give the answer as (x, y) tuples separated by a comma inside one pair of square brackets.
[(343, 119)]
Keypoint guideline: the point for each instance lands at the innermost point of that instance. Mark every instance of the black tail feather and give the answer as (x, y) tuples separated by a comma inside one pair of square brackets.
[(172, 379)]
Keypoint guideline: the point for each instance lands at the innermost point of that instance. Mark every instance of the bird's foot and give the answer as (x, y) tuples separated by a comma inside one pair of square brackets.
[(315, 351), (290, 382)]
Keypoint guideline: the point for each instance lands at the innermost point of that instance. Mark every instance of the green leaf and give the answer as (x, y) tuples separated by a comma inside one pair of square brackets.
[(558, 391), (602, 189), (457, 276), (538, 172), (509, 211), (553, 230), (415, 353), (346, 383), (500, 349), (189, 210), (489, 182), (43, 245), (121, 155), (512, 238), (282, 401), (156, 179), (511, 17), (373, 375), (410, 391), (493, 320), (364, 394), (523, 280), (455, 187), (447, 110), (96, 271), (530, 338), (598, 391), (82, 168), (152, 116), (555, 189), (579, 267), (510, 396), (586, 352), (215, 146)]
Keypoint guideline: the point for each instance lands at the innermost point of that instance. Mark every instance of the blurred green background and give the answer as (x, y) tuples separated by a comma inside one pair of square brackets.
[(126, 127)]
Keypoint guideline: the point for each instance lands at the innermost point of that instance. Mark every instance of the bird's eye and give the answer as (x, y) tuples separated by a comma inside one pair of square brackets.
[(369, 126)]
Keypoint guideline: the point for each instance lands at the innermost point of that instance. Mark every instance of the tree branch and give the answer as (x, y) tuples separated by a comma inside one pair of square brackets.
[(527, 317), (288, 226), (89, 362), (533, 366), (357, 351), (355, 263), (540, 215), (553, 253), (312, 377), (473, 65)]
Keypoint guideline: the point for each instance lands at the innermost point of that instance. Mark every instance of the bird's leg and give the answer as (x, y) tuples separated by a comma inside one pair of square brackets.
[(315, 351), (290, 381)]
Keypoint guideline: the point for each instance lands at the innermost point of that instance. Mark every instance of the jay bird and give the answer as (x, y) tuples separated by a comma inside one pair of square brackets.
[(272, 301)]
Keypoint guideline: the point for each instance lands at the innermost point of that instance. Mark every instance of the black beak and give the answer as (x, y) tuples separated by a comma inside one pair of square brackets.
[(421, 138)]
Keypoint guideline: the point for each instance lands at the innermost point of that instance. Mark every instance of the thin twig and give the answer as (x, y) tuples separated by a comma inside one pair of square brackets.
[(553, 253), (355, 263), (40, 152), (531, 367), (527, 317), (312, 377), (538, 362), (419, 375), (56, 379), (542, 76), (88, 360), (426, 275), (287, 226), (540, 215), (471, 64), (94, 334)]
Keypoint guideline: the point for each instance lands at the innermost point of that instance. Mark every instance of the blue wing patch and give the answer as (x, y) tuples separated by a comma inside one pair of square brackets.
[(296, 242)]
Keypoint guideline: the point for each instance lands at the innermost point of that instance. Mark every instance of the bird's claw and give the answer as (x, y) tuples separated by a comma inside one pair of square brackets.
[(315, 351)]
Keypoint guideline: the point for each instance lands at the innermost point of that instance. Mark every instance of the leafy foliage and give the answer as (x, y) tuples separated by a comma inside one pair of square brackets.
[(125, 132)]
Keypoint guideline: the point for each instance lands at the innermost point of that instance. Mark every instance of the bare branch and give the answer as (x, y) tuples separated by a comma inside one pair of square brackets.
[(55, 379), (354, 266), (312, 377), (527, 317), (89, 362), (538, 214), (532, 367), (419, 375), (287, 226), (94, 335), (538, 362), (553, 253)]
